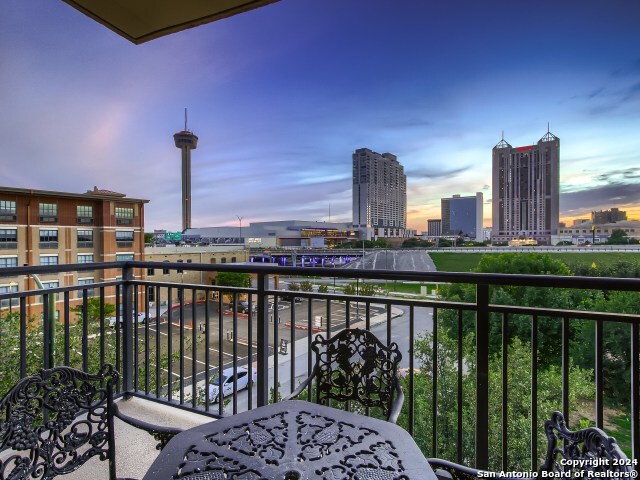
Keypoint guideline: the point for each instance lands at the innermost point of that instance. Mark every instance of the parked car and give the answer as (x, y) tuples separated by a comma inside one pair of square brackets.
[(111, 321), (290, 298), (225, 382)]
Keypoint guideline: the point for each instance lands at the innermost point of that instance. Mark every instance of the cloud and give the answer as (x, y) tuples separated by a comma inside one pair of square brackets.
[(631, 92), (598, 198), (618, 176), (632, 69), (432, 174), (486, 187)]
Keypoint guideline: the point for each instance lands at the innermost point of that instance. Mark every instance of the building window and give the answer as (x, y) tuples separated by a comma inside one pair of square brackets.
[(7, 262), (124, 216), (52, 284), (85, 281), (150, 272), (124, 257), (180, 270), (233, 259), (124, 238), (48, 238), (8, 238), (85, 214), (13, 302), (85, 238), (85, 258), (165, 271), (7, 211), (213, 260), (223, 260), (48, 212), (48, 259)]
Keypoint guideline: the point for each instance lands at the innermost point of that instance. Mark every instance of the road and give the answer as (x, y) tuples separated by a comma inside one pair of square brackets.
[(423, 321), (398, 260), (286, 330), (223, 351)]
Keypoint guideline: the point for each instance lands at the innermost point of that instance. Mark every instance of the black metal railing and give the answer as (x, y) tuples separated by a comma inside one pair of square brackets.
[(169, 340)]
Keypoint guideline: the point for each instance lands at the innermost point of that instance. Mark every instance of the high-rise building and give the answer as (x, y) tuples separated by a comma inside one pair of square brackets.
[(462, 216), (41, 227), (526, 190), (379, 194), (186, 141), (608, 216), (434, 227)]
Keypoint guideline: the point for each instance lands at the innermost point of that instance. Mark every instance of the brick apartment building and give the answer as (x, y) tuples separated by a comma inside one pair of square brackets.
[(40, 227)]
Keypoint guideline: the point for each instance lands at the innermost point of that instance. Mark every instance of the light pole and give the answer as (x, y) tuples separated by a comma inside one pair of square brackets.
[(49, 323), (240, 220), (242, 239)]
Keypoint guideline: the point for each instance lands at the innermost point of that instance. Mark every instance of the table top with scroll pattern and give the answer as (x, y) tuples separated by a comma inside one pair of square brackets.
[(292, 440)]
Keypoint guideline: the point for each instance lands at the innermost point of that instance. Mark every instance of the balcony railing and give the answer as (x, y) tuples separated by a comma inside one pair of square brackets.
[(190, 335)]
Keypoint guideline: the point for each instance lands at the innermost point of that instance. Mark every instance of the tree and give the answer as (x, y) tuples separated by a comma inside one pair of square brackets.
[(367, 289), (93, 310), (323, 288), (518, 400), (618, 237), (411, 243), (306, 286), (233, 279), (148, 238), (549, 329)]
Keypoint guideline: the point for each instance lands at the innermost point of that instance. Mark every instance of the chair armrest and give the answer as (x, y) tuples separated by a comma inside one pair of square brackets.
[(161, 433), (300, 388), (397, 403), (460, 472), (457, 471)]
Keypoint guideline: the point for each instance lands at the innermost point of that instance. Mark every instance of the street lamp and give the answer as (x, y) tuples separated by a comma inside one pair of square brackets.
[(242, 239), (240, 220)]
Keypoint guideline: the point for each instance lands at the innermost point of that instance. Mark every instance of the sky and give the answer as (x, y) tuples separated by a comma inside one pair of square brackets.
[(280, 98)]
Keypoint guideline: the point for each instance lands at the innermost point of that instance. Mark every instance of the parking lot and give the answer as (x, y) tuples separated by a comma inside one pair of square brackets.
[(185, 327)]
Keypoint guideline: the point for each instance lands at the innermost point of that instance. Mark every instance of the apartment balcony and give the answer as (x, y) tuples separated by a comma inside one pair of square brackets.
[(463, 368)]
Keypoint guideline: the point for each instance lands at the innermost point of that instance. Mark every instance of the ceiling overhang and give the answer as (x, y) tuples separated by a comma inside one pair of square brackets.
[(142, 20)]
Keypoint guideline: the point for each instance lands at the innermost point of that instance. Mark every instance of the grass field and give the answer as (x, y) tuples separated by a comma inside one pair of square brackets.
[(464, 262)]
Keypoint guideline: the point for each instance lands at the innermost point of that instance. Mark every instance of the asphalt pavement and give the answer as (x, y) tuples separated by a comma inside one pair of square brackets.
[(397, 260)]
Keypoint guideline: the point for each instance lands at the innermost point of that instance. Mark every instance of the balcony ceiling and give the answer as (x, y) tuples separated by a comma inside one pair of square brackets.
[(142, 20)]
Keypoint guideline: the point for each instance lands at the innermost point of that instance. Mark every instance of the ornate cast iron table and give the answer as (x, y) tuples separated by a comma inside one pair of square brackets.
[(292, 440)]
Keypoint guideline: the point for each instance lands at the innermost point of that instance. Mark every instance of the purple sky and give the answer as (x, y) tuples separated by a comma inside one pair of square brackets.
[(281, 96)]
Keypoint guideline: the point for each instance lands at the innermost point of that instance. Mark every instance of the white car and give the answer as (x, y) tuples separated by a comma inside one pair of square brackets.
[(111, 321), (243, 380)]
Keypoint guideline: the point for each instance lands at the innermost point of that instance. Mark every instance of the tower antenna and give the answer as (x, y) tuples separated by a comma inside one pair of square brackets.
[(185, 119), (548, 129)]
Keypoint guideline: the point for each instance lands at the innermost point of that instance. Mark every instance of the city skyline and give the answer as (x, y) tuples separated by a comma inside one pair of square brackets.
[(282, 96)]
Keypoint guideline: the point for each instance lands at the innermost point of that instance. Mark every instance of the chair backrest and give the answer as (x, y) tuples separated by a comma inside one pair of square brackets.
[(54, 421), (589, 449), (354, 365)]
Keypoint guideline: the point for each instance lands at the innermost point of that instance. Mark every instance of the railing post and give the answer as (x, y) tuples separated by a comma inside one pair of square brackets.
[(635, 393), (482, 377), (127, 329), (262, 337)]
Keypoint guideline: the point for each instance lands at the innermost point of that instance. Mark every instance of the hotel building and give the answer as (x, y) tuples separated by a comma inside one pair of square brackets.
[(526, 190), (379, 195), (40, 227)]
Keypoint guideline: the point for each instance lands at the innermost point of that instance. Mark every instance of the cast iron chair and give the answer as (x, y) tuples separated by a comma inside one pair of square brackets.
[(354, 365), (52, 422), (597, 451)]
